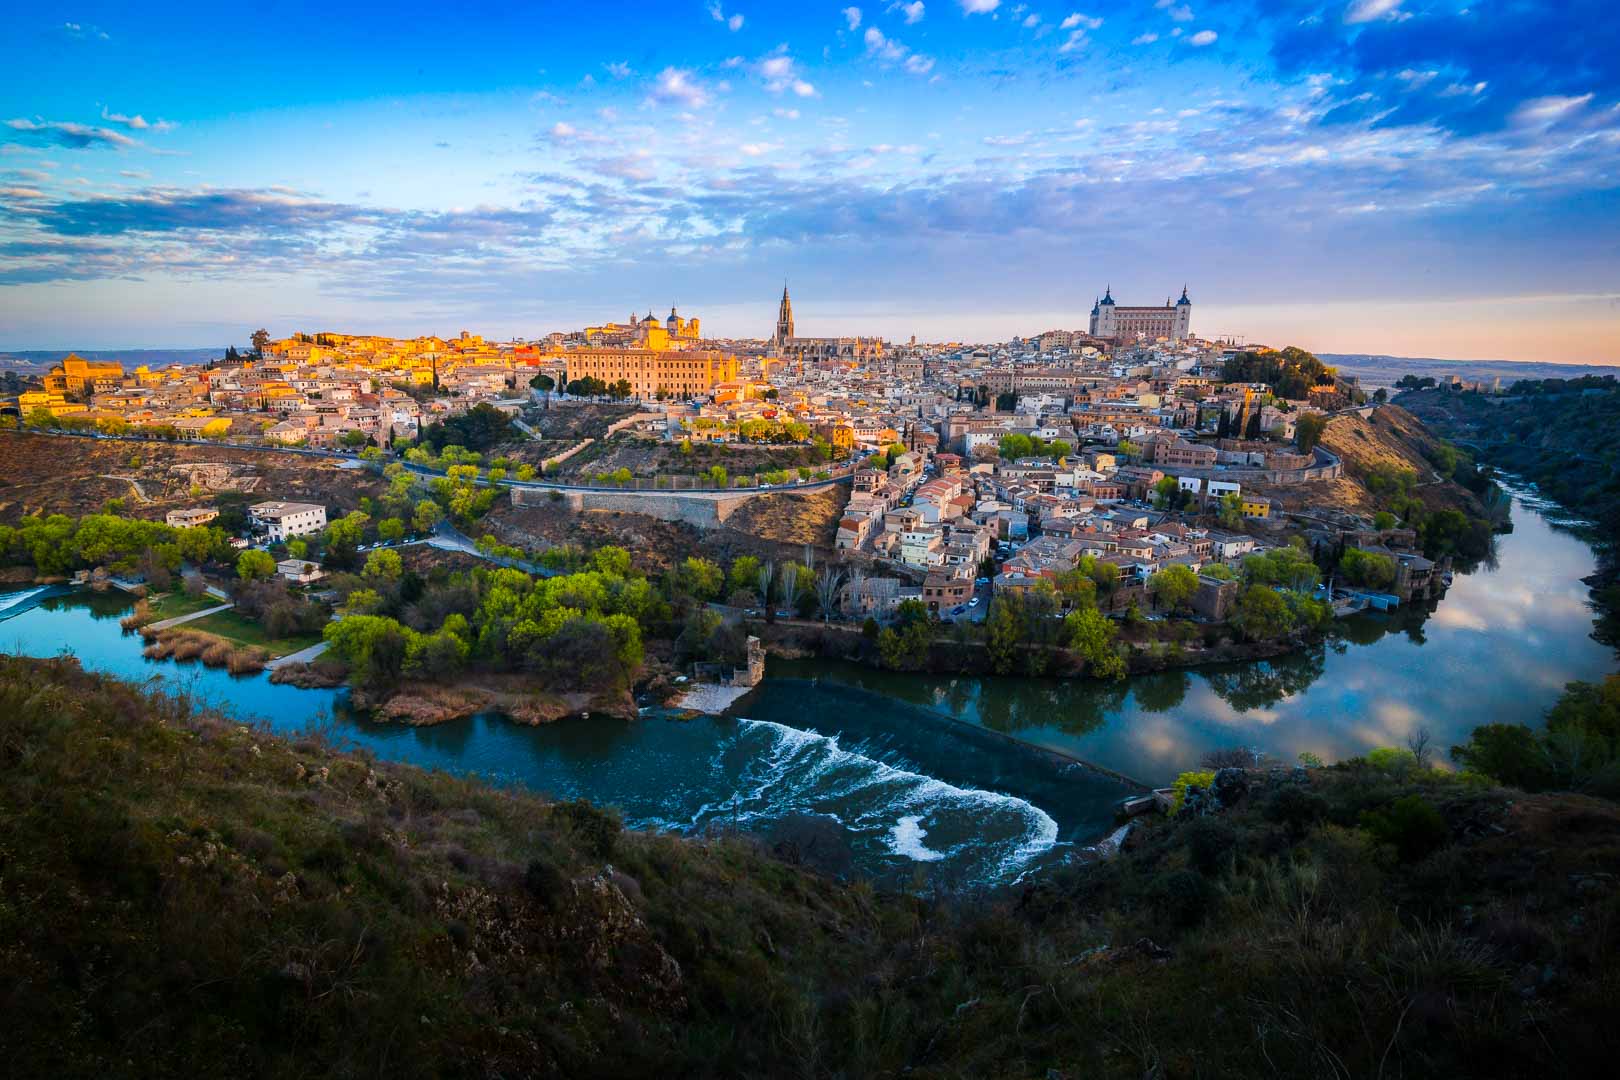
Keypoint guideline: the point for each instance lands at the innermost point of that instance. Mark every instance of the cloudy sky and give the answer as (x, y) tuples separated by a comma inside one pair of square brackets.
[(1418, 177)]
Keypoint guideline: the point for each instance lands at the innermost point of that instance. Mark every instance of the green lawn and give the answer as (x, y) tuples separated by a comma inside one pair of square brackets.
[(174, 604), (234, 626)]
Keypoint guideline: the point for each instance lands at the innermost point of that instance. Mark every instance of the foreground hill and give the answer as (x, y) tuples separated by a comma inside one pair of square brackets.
[(183, 895)]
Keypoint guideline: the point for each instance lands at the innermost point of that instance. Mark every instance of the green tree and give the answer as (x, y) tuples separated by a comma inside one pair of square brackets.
[(255, 565), (1308, 431), (426, 516), (384, 564), (1092, 635), (1174, 587), (745, 573), (1262, 614), (700, 578)]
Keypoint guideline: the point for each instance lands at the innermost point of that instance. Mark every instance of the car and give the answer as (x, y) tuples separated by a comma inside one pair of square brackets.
[(973, 602), (981, 581), (957, 610), (784, 614)]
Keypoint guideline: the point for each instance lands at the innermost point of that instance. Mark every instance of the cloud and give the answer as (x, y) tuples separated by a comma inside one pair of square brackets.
[(979, 7), (917, 64), (852, 16), (1202, 38), (882, 47), (1550, 109), (1145, 39), (1081, 19), (137, 122), (732, 23), (780, 73), (1365, 11), (677, 86), (619, 69), (913, 12), (1177, 12), (69, 135)]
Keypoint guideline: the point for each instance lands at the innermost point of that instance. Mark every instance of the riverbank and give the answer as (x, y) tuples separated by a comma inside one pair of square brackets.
[(515, 697)]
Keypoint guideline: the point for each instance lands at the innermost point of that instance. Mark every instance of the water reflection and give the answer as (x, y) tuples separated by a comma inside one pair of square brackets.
[(1499, 648)]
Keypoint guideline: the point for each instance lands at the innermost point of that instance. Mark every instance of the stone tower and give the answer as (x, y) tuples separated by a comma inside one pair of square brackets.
[(784, 318)]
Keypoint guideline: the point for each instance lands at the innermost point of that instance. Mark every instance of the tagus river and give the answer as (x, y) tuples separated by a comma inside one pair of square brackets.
[(961, 780)]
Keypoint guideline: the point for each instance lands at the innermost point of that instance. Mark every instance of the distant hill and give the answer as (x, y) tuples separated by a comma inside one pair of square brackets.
[(38, 360), (1376, 371)]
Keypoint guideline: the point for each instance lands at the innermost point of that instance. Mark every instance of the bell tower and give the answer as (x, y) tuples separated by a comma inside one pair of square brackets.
[(784, 318)]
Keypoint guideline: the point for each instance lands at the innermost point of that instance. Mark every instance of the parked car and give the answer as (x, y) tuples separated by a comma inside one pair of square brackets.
[(973, 602)]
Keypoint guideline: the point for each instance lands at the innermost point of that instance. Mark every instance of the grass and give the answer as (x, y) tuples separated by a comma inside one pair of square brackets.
[(172, 605), (235, 627), (186, 895)]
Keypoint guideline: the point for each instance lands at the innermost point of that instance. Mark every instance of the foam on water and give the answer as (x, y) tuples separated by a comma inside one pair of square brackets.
[(907, 839), (13, 601), (803, 771)]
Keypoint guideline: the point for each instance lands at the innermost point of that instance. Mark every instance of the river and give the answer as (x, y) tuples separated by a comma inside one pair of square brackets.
[(952, 780)]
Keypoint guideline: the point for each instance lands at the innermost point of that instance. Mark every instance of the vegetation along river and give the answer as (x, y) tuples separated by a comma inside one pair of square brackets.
[(914, 777)]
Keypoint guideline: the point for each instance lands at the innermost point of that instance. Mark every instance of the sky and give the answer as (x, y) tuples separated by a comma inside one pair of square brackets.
[(1414, 177)]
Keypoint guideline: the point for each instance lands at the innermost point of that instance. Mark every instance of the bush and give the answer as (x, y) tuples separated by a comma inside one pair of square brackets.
[(1202, 780), (1184, 897), (1296, 809), (1410, 824), (596, 830)]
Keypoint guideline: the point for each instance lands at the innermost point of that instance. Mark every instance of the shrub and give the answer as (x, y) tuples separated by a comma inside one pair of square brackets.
[(1183, 897), (1204, 780), (1392, 759), (1296, 809), (596, 830), (1410, 824)]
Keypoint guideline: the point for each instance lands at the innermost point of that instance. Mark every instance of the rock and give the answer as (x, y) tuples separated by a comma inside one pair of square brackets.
[(1231, 785)]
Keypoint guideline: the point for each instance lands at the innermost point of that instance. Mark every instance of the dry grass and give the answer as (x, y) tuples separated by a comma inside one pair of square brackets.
[(187, 646)]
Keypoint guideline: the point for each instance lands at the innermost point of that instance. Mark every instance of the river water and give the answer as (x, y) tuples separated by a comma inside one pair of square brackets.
[(954, 780)]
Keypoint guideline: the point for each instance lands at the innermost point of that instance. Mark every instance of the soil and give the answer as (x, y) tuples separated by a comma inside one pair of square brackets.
[(54, 474), (773, 527)]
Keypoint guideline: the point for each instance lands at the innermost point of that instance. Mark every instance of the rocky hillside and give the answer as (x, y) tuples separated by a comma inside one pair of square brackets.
[(54, 474), (184, 895), (1392, 440)]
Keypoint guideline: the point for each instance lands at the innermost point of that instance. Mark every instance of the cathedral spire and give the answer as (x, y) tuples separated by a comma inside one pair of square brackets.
[(784, 317)]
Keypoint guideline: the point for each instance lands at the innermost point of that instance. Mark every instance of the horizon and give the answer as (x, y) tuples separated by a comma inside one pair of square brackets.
[(1361, 177)]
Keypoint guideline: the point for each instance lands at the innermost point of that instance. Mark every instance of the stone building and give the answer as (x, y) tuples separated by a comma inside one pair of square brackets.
[(1114, 322)]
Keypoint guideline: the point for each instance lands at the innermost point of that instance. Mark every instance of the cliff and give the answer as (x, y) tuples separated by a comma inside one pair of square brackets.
[(184, 895)]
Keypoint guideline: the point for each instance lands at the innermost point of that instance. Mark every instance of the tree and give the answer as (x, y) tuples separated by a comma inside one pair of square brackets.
[(827, 586), (700, 578), (1368, 569), (255, 565), (426, 517), (1262, 614), (372, 647), (261, 341), (391, 530), (1092, 635), (1005, 637), (1308, 431), (543, 382), (297, 548), (384, 564), (1174, 587), (904, 646), (745, 573), (1229, 511)]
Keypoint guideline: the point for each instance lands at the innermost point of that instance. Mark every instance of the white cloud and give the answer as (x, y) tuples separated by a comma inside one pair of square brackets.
[(756, 149), (733, 22), (852, 16), (1145, 39), (1076, 40), (676, 86), (1549, 110), (880, 46), (913, 12), (979, 7), (618, 69), (785, 114), (1365, 11), (137, 122), (562, 131), (1080, 18), (1202, 38), (1031, 21), (1178, 12), (919, 64)]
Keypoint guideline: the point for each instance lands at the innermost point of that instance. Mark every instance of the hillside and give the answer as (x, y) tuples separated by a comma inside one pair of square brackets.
[(1391, 440), (54, 474), (183, 895)]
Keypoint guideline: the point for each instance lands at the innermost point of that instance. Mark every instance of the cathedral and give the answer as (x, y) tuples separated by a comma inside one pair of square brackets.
[(847, 349), (1172, 321)]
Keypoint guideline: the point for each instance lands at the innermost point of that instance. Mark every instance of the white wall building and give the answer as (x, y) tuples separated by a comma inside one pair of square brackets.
[(283, 520)]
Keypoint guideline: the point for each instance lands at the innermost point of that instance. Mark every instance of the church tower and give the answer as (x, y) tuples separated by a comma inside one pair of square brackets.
[(784, 318)]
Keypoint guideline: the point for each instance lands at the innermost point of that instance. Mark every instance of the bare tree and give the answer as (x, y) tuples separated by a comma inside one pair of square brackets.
[(1419, 742), (857, 587), (827, 586), (767, 574), (788, 585)]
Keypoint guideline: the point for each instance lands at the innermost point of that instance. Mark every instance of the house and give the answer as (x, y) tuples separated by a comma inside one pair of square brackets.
[(1255, 506), (283, 520), (947, 587), (190, 517), (299, 571)]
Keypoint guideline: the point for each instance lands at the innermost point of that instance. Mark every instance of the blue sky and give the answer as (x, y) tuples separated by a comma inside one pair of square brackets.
[(1427, 178)]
